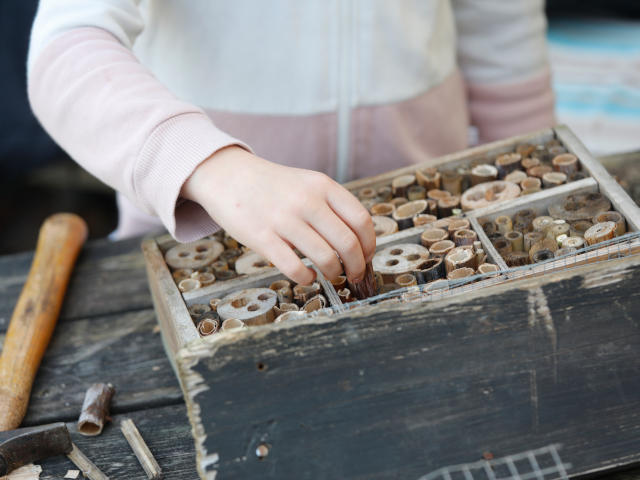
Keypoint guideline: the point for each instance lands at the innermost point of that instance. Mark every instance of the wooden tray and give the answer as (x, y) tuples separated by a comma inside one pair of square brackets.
[(352, 393)]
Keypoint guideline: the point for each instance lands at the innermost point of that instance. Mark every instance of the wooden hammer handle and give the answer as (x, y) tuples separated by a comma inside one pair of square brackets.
[(36, 313)]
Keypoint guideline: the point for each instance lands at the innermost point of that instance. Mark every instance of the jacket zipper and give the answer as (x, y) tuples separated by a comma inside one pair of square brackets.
[(344, 90)]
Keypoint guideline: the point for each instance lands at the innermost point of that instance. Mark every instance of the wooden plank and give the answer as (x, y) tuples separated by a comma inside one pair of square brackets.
[(122, 349), (109, 277), (399, 391), (166, 431), (177, 327)]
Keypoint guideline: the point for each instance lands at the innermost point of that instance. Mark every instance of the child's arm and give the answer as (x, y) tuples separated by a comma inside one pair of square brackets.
[(502, 51), (116, 119), (271, 207)]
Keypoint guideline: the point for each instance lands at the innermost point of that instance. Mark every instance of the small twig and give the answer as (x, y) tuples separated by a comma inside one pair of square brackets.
[(95, 409), (86, 466), (140, 448)]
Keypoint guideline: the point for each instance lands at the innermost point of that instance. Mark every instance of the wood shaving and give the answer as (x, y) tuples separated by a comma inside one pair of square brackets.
[(26, 472)]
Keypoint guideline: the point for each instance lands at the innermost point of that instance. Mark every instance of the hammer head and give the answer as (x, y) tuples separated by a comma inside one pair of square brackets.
[(26, 445)]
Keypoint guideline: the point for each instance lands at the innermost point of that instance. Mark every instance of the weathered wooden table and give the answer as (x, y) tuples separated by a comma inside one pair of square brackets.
[(107, 333)]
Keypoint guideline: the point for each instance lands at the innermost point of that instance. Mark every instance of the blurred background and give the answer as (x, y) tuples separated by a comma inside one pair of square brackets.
[(595, 57)]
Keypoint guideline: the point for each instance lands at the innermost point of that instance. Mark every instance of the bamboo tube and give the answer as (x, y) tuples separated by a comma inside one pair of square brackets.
[(429, 178), (566, 163)]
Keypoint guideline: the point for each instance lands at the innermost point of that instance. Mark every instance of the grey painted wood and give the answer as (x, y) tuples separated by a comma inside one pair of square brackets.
[(400, 391), (166, 432)]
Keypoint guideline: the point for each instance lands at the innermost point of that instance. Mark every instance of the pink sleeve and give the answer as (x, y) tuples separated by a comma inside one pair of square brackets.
[(121, 124), (504, 110)]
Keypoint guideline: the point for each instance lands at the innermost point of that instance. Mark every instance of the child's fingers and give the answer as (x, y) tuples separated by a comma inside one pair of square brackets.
[(351, 211), (285, 260), (312, 246), (342, 239)]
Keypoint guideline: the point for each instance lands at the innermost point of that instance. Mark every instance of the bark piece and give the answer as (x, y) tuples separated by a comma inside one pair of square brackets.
[(95, 409)]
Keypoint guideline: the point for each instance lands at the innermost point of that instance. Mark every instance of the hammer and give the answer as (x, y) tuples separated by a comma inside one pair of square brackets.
[(26, 445), (36, 313)]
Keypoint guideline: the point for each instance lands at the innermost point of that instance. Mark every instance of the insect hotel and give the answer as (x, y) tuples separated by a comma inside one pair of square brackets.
[(500, 319)]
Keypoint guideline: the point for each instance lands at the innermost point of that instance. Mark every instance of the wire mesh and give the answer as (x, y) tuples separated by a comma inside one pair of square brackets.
[(540, 464), (622, 246)]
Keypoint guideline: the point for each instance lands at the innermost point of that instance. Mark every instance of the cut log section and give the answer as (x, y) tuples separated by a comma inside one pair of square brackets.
[(194, 255), (398, 259), (489, 193), (254, 306)]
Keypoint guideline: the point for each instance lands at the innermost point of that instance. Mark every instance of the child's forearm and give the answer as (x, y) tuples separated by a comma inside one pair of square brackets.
[(121, 124)]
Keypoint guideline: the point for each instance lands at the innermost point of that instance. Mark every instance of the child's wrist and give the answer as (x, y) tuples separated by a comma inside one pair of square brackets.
[(215, 166)]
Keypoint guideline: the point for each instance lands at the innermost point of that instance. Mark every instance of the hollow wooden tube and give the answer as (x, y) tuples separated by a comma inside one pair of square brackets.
[(464, 237), (544, 244), (573, 242), (553, 179), (432, 235), (367, 193), (405, 280), (367, 286), (577, 228), (487, 268), (432, 269), (503, 246), (483, 173), (529, 162), (542, 223), (441, 248), (461, 272), (531, 238), (542, 255), (539, 171), (515, 177), (208, 325), (516, 239), (615, 217), (530, 182), (384, 194), (600, 232), (95, 409), (345, 295), (416, 192), (452, 182), (404, 214), (423, 219), (429, 178), (457, 224), (460, 257), (517, 259), (447, 204), (507, 163), (384, 209), (36, 313), (566, 163), (400, 184), (504, 224)]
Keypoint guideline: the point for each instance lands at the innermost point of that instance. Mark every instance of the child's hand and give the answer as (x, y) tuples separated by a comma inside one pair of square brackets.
[(271, 208)]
